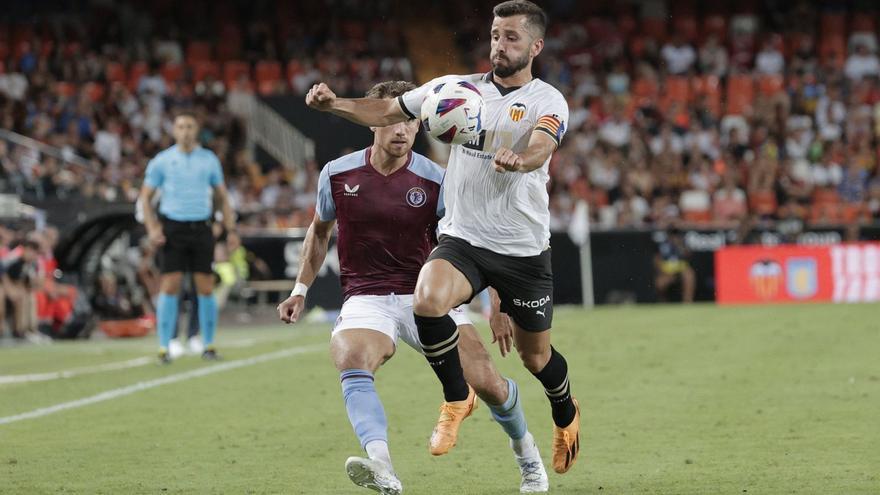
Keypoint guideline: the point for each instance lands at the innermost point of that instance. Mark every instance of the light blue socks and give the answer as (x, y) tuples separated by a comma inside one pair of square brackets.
[(208, 318), (166, 318)]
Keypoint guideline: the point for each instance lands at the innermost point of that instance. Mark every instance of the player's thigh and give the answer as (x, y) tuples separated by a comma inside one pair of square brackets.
[(365, 334), (449, 278), (525, 287)]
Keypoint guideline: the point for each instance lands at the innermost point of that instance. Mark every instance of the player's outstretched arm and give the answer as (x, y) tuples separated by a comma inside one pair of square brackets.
[(540, 147), (313, 253), (369, 112)]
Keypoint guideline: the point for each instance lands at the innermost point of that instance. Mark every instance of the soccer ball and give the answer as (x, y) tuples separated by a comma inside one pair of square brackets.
[(453, 112)]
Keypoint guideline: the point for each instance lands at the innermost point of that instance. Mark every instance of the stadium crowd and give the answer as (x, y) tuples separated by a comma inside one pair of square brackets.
[(677, 114)]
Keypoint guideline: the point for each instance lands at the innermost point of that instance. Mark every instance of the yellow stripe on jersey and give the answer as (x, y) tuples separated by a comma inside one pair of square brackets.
[(551, 125)]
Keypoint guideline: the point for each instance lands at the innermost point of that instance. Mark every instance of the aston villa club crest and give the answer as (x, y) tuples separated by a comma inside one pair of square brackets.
[(416, 197), (802, 277), (517, 112)]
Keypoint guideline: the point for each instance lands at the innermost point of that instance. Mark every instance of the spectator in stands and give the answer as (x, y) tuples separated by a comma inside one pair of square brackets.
[(678, 56), (769, 60), (713, 57), (729, 202), (862, 63)]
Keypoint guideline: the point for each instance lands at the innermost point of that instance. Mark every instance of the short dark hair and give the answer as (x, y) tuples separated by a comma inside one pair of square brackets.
[(536, 18), (186, 113), (390, 89)]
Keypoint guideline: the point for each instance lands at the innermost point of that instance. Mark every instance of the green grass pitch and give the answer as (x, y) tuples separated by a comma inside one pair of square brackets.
[(675, 400)]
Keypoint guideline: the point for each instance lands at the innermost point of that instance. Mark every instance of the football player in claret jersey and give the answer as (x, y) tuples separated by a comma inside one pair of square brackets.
[(496, 228), (386, 201)]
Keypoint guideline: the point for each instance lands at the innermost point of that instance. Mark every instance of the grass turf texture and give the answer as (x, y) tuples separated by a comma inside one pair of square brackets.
[(674, 400)]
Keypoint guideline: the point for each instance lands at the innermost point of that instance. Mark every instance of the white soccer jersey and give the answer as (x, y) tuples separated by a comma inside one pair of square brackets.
[(507, 213)]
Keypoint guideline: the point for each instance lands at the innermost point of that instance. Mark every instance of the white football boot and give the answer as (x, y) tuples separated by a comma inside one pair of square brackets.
[(531, 468), (373, 474)]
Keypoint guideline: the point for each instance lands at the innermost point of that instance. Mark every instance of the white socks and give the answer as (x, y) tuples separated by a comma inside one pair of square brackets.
[(525, 446), (378, 451)]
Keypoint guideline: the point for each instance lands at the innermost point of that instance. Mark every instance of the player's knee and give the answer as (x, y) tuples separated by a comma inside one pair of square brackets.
[(534, 359), (428, 301)]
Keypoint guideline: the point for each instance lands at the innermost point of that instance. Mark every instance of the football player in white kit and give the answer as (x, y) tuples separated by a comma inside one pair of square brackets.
[(496, 228)]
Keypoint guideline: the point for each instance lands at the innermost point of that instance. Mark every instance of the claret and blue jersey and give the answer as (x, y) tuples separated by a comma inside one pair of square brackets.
[(386, 224)]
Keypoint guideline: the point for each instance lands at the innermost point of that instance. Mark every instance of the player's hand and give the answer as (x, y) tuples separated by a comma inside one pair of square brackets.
[(232, 241), (502, 332), (507, 161), (320, 97), (291, 309), (156, 236)]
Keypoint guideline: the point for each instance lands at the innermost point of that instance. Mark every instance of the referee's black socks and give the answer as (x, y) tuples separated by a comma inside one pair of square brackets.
[(554, 377), (439, 338)]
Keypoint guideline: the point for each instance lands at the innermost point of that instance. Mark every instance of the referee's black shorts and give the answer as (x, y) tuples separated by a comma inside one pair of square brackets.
[(189, 247), (524, 284)]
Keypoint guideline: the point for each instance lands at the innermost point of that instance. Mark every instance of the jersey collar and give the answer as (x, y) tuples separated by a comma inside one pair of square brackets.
[(501, 89)]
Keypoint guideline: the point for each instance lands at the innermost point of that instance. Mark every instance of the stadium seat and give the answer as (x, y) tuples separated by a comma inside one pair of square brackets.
[(171, 72), (267, 74), (4, 50), (823, 213), (627, 25), (697, 216), (677, 90), (770, 85), (832, 24), (233, 70), (65, 89), (95, 91), (293, 68), (115, 72), (645, 88), (203, 70), (198, 51), (762, 202), (2, 67), (863, 22), (714, 25), (686, 25), (826, 195), (654, 27), (740, 94), (228, 49), (137, 70), (832, 50)]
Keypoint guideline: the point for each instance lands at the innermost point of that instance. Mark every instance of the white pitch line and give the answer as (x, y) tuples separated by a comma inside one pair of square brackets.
[(85, 370), (141, 386)]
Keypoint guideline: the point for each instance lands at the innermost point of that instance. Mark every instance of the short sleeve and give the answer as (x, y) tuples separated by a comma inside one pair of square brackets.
[(154, 175), (325, 208), (411, 101), (216, 177), (553, 118)]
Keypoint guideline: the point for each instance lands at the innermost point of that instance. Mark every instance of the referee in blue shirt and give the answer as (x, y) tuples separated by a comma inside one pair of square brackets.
[(189, 178)]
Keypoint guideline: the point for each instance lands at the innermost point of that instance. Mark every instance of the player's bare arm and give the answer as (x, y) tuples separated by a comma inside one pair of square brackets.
[(313, 254), (221, 194), (502, 329), (154, 228), (369, 112), (540, 147)]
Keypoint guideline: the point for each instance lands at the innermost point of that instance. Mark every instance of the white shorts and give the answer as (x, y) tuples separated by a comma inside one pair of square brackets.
[(391, 315)]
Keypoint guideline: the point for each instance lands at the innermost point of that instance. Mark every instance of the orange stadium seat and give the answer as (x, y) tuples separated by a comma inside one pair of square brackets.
[(171, 72), (762, 202), (137, 70), (715, 25), (833, 24), (228, 49), (770, 85), (233, 69), (198, 51), (863, 22), (826, 195), (646, 88), (687, 26), (740, 94), (627, 25), (65, 89), (825, 213), (677, 89), (203, 70), (654, 27), (4, 50), (832, 49), (115, 72), (267, 74), (95, 91)]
